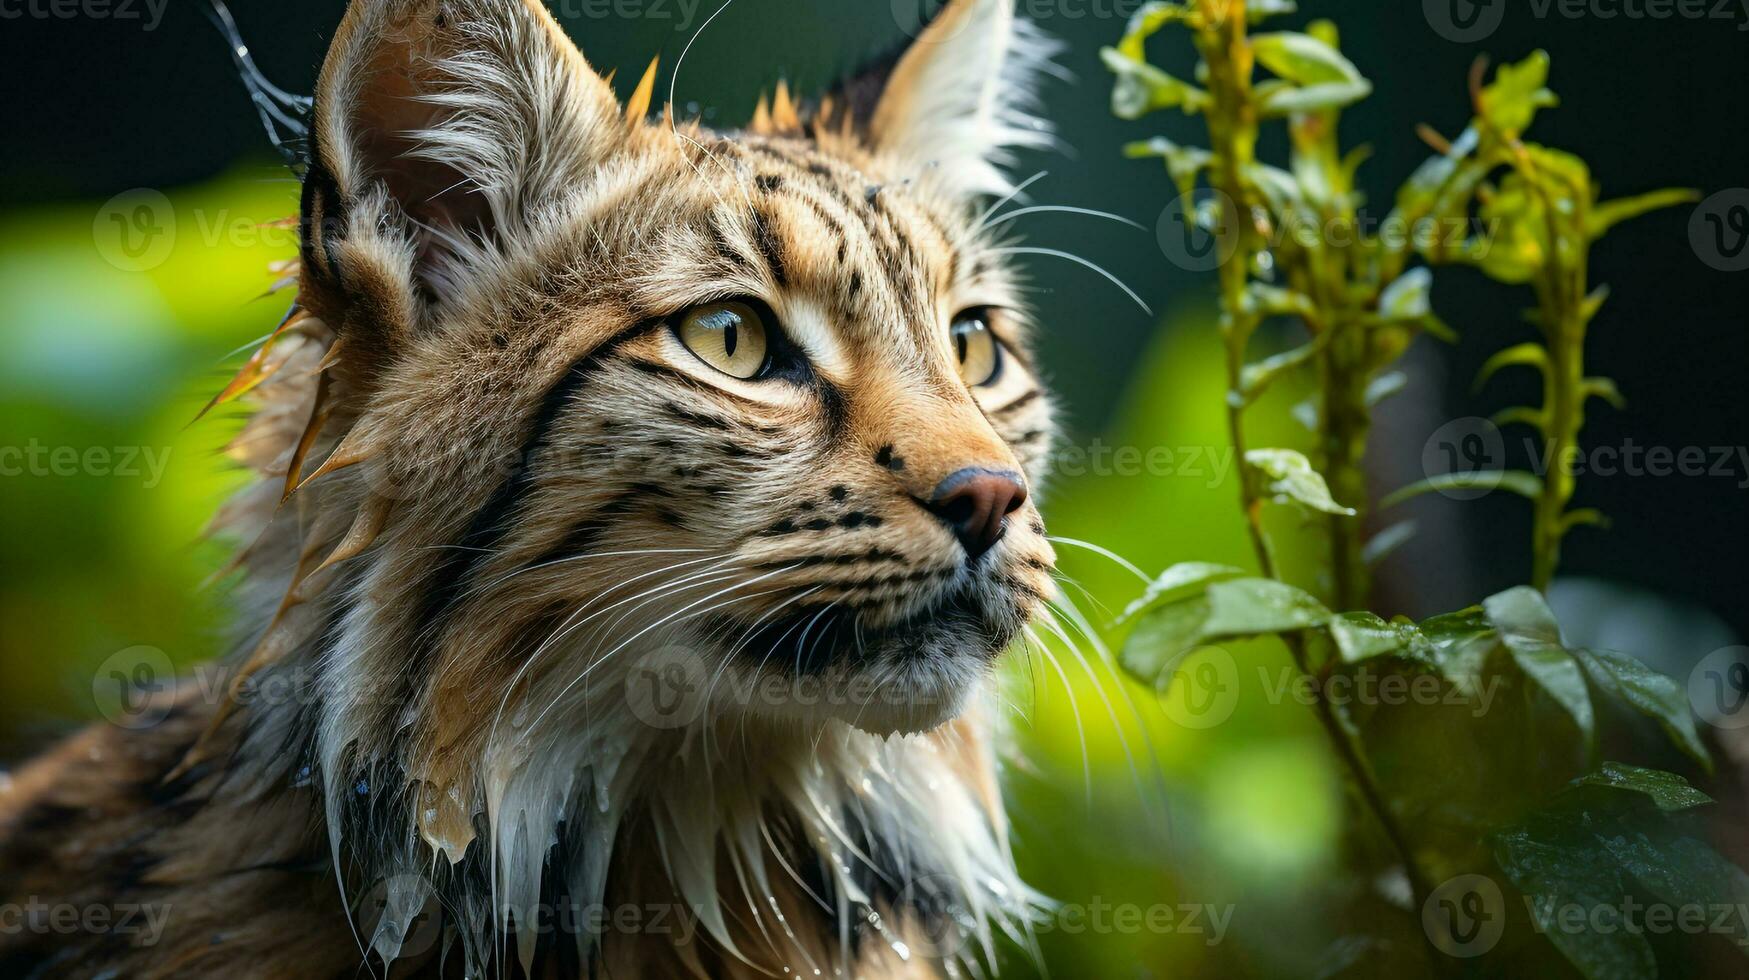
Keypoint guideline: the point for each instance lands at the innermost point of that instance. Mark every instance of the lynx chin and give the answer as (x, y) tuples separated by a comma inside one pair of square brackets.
[(640, 513)]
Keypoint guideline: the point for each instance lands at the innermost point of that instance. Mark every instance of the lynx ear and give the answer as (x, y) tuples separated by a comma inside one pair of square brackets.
[(961, 97), (443, 126)]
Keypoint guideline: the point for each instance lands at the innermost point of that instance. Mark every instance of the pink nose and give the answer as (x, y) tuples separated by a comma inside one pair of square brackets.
[(974, 503)]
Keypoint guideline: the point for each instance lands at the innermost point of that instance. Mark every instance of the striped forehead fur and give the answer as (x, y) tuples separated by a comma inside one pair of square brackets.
[(545, 491)]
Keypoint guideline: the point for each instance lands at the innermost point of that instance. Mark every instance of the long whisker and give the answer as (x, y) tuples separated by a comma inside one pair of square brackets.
[(1066, 209), (677, 614), (1075, 710), (1078, 260), (1067, 608), (1121, 561), (1018, 190)]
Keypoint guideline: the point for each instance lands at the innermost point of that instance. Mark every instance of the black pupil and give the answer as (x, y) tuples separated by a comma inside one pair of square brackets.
[(730, 340), (962, 336)]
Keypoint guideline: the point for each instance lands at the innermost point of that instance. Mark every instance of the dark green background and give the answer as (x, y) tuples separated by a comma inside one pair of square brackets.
[(92, 108)]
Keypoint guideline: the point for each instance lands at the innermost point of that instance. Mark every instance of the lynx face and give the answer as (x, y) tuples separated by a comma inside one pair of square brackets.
[(621, 384)]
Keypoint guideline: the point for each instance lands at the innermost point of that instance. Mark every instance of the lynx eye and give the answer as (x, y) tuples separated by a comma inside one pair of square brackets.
[(729, 336), (980, 356)]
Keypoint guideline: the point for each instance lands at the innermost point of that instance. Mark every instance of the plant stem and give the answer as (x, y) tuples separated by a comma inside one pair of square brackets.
[(1232, 124)]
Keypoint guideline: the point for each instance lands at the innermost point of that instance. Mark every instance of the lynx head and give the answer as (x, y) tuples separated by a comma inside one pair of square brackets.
[(599, 387), (766, 394)]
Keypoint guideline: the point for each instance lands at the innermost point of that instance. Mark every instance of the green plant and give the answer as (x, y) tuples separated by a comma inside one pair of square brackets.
[(1553, 816)]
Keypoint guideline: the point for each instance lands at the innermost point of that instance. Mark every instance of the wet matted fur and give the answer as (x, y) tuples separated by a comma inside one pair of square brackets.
[(574, 655)]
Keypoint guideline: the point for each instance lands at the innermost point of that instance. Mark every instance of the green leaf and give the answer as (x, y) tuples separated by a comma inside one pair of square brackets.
[(1256, 378), (1560, 870), (1255, 606), (1684, 872), (1295, 100), (1518, 91), (1183, 163), (1383, 544), (1529, 630), (1279, 188), (1291, 476), (1303, 59), (1178, 582), (1384, 386), (1141, 88), (1605, 389), (1524, 355), (1363, 636), (1163, 638), (1650, 693), (1145, 22), (1590, 517), (1605, 216), (1263, 299), (1527, 485), (1257, 10), (1462, 644), (1437, 175), (1409, 301), (1666, 789), (1520, 415)]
